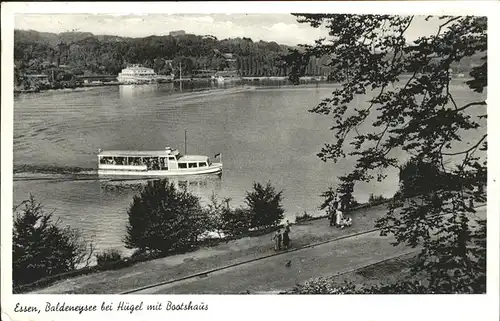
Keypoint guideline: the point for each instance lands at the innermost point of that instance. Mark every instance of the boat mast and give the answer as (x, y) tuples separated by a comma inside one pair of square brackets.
[(185, 140)]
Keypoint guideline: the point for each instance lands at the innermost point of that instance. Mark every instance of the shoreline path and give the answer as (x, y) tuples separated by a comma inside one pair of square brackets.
[(336, 252)]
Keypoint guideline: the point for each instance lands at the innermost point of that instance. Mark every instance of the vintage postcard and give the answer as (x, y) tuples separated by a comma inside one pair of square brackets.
[(198, 152)]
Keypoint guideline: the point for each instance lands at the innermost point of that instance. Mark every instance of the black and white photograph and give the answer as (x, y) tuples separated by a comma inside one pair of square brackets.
[(279, 153)]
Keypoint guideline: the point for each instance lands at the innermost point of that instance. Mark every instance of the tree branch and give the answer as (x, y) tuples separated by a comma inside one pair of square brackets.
[(446, 23), (468, 150), (407, 26), (453, 101), (476, 103), (381, 136)]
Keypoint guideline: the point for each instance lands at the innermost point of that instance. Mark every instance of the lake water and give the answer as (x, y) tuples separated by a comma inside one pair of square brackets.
[(265, 134)]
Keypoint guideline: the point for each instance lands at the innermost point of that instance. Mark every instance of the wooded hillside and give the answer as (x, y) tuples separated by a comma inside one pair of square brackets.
[(84, 52)]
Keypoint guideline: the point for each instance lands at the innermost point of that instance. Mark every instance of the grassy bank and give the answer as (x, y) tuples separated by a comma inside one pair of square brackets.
[(227, 252)]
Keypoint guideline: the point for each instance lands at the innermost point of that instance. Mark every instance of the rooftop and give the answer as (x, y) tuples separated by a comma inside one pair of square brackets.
[(193, 158), (136, 153), (138, 67)]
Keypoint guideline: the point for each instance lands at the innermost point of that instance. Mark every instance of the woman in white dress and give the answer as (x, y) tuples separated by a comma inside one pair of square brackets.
[(341, 221)]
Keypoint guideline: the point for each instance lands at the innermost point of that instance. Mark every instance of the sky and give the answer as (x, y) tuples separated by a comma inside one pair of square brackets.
[(279, 27)]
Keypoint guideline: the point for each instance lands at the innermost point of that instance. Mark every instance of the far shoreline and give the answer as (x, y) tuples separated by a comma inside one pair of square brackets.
[(242, 81)]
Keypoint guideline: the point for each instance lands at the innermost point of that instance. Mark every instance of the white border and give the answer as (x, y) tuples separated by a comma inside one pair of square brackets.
[(397, 307)]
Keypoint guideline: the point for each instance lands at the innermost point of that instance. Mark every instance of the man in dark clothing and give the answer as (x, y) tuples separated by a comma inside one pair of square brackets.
[(332, 209), (286, 235)]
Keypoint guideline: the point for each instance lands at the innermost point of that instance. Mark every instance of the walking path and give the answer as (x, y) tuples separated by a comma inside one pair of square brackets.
[(261, 275), (284, 271)]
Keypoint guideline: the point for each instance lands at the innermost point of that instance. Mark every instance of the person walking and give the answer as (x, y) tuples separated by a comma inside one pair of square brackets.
[(286, 235), (332, 209), (341, 221), (277, 238), (287, 226)]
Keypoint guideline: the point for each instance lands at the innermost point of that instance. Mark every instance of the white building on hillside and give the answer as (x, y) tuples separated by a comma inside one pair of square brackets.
[(137, 74)]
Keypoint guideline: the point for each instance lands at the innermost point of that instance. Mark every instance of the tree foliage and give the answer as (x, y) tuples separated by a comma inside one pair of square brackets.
[(41, 247), (164, 219), (227, 221), (418, 177), (264, 205), (396, 96)]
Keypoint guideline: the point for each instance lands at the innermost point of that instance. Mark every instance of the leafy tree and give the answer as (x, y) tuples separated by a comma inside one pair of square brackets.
[(296, 64), (418, 177), (236, 221), (411, 107), (225, 220), (41, 247), (214, 212), (164, 219), (264, 205)]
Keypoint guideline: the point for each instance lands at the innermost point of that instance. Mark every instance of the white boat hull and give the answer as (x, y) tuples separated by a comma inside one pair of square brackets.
[(215, 168)]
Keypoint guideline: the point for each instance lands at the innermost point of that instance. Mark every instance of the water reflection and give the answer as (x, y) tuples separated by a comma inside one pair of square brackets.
[(202, 186), (138, 90), (131, 91)]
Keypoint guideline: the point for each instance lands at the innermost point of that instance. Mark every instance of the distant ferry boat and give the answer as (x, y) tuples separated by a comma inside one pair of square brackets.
[(168, 162), (137, 74)]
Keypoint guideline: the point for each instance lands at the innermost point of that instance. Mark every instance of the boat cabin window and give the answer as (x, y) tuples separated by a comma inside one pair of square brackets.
[(155, 163), (120, 160), (152, 163), (163, 163), (172, 158), (107, 160), (134, 161), (182, 165), (193, 165), (202, 164)]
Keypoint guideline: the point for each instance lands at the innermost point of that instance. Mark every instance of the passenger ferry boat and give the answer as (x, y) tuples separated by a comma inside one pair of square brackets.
[(168, 162)]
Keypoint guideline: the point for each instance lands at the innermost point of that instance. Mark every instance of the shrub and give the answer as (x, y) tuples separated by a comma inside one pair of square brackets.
[(325, 286), (376, 199), (108, 257), (164, 219), (304, 218), (41, 247), (224, 220), (408, 286), (236, 222), (264, 206)]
